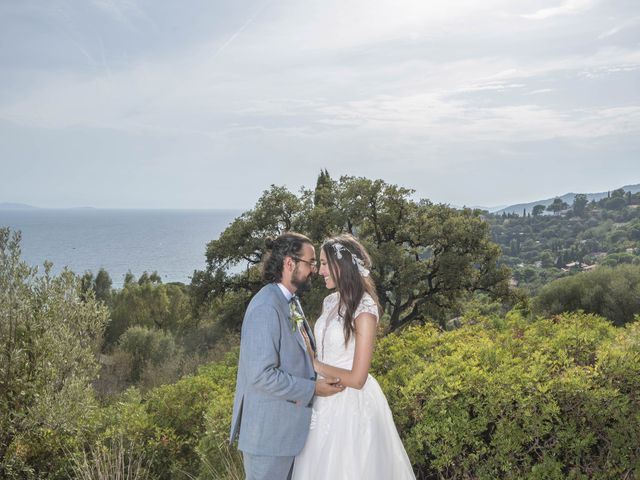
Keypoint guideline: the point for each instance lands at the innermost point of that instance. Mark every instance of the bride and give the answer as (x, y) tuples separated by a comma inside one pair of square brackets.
[(352, 433)]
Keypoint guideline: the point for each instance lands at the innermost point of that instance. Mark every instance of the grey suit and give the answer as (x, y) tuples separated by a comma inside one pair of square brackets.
[(275, 382)]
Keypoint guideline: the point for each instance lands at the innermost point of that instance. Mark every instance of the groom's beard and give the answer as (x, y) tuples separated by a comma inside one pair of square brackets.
[(301, 282)]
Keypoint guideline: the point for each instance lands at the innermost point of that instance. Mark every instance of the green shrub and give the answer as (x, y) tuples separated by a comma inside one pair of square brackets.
[(49, 335), (213, 450), (508, 398), (190, 410), (126, 427), (613, 293), (146, 346)]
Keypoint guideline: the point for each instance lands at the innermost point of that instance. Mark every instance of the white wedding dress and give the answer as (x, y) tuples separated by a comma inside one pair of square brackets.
[(352, 434)]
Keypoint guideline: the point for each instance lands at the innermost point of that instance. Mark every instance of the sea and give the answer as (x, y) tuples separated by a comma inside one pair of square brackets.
[(171, 242)]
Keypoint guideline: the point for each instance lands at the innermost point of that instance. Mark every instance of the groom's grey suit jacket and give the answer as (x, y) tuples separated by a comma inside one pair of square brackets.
[(275, 382)]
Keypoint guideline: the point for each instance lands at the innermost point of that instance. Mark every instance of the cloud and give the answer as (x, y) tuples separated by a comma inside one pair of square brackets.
[(126, 12), (481, 98), (631, 22), (568, 7), (397, 76), (541, 90), (427, 118)]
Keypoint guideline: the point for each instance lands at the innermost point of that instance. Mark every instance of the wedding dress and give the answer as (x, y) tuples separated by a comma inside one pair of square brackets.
[(352, 434)]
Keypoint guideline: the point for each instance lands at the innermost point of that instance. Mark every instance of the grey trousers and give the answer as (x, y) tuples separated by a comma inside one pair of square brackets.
[(264, 467)]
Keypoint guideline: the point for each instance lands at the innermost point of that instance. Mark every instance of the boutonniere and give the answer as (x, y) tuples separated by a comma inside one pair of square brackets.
[(295, 317)]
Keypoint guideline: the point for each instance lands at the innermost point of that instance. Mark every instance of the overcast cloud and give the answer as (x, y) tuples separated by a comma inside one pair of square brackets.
[(200, 104)]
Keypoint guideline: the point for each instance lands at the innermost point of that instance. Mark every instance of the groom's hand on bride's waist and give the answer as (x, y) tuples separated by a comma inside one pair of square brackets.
[(328, 386)]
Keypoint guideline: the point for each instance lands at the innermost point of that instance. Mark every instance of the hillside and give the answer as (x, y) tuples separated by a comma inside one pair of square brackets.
[(541, 248), (567, 197)]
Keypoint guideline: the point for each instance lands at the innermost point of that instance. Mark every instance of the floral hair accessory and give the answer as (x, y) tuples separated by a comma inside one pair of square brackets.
[(357, 261)]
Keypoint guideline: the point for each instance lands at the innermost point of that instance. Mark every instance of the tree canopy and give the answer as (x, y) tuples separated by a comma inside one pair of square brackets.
[(426, 257), (557, 206)]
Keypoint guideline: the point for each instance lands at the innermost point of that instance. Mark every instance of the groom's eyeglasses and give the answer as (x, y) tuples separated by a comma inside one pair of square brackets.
[(312, 263)]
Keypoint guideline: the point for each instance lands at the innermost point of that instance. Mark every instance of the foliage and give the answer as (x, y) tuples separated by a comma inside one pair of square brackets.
[(177, 423), (228, 466), (580, 203), (115, 461), (147, 347), (509, 398), (164, 434), (541, 248), (538, 210), (149, 340), (100, 285), (613, 293), (50, 333), (148, 303), (427, 258), (499, 397), (213, 448), (494, 397), (557, 206)]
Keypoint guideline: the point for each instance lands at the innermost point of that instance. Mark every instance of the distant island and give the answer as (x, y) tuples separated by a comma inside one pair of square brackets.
[(24, 206), (16, 206)]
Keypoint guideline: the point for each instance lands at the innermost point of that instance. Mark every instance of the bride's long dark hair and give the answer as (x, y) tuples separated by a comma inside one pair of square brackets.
[(344, 256)]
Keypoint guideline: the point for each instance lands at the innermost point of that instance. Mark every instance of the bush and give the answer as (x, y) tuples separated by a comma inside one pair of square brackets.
[(213, 451), (195, 408), (508, 398), (613, 293), (128, 433), (114, 461), (49, 335), (147, 347)]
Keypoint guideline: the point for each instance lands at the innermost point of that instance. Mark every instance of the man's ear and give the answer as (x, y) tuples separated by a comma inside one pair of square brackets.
[(289, 264)]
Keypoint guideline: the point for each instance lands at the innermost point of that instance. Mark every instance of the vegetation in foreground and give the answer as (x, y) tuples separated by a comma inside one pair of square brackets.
[(140, 380)]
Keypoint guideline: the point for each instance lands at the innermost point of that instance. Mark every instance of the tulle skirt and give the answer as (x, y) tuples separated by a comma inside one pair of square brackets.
[(353, 437)]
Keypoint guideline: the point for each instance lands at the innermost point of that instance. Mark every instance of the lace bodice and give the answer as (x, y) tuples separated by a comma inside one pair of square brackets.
[(329, 331)]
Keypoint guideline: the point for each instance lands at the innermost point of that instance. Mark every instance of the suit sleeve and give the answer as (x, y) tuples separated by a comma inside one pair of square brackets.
[(261, 347)]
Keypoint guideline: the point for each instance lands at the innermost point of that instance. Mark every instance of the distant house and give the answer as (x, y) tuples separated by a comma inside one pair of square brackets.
[(597, 255), (582, 266)]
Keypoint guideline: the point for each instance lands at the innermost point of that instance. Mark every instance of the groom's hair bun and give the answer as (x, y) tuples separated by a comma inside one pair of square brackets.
[(287, 244), (269, 243)]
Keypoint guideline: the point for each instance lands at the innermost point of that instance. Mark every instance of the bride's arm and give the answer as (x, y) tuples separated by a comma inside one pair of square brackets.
[(365, 335)]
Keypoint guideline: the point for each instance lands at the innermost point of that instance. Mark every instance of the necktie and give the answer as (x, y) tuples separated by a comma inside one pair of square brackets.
[(295, 303)]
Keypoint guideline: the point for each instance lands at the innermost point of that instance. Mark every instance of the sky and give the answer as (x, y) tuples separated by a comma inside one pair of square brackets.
[(205, 104)]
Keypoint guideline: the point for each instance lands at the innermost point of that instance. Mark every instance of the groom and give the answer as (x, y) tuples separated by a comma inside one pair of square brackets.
[(276, 381)]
